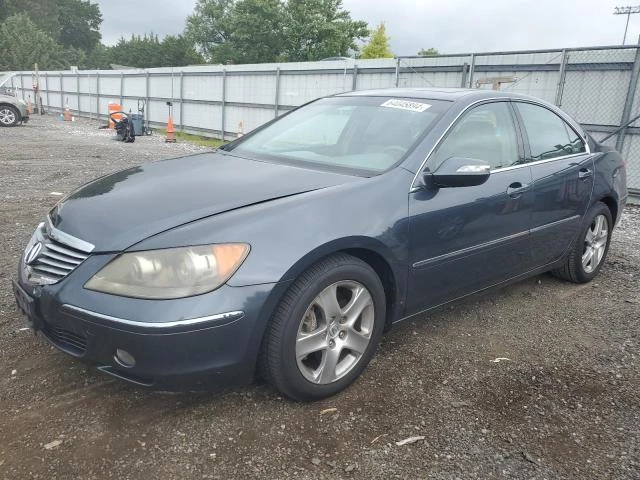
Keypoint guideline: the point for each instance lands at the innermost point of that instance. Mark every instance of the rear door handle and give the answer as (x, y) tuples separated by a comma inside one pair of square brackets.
[(584, 173), (516, 189)]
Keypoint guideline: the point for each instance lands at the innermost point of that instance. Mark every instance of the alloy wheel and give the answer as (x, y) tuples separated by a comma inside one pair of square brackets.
[(7, 117), (595, 243), (334, 332)]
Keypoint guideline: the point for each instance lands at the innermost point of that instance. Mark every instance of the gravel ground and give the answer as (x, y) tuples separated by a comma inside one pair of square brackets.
[(565, 405)]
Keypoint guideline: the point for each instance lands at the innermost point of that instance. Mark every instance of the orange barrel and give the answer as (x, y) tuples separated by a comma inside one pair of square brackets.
[(114, 107)]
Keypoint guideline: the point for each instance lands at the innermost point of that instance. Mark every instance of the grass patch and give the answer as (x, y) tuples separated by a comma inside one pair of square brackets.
[(195, 139)]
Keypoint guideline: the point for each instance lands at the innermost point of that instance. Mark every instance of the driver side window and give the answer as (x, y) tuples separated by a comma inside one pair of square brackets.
[(486, 132)]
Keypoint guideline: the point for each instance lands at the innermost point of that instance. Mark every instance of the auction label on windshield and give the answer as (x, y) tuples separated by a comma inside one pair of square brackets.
[(405, 105)]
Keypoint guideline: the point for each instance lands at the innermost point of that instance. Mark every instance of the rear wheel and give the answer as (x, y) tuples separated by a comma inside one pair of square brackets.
[(9, 116), (586, 258), (325, 330)]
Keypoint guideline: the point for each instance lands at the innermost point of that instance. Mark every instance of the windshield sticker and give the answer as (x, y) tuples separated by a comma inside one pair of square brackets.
[(405, 105)]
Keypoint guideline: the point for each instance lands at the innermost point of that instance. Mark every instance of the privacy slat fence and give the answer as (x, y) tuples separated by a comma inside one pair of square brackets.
[(597, 85)]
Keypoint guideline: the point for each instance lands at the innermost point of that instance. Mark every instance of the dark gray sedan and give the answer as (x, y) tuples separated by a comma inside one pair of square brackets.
[(292, 249)]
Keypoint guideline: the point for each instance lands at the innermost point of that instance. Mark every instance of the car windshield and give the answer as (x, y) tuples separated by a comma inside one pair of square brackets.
[(359, 133)]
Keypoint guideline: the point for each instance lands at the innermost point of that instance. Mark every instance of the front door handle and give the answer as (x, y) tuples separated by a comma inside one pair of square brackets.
[(584, 173), (516, 188)]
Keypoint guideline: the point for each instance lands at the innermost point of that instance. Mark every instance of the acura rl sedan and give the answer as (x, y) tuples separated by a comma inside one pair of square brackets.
[(289, 251)]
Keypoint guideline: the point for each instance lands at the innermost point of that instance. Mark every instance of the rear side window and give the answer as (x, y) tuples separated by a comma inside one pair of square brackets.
[(549, 135)]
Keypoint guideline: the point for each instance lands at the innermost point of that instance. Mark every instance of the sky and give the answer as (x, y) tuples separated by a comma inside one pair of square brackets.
[(451, 26)]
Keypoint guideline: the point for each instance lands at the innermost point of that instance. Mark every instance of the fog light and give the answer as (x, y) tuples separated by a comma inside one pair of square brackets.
[(124, 358)]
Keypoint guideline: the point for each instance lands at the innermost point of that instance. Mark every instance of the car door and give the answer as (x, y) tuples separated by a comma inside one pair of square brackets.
[(562, 172), (467, 238)]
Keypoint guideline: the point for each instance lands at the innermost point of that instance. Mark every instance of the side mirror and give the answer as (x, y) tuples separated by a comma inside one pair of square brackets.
[(459, 172)]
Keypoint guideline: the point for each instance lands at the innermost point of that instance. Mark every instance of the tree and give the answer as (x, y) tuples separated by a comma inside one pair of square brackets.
[(22, 45), (148, 52), (429, 52), (209, 28), (257, 31), (378, 46), (177, 51), (316, 29), (43, 13), (252, 31), (79, 24)]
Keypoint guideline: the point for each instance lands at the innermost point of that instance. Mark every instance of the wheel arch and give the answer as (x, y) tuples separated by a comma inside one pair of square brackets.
[(371, 251), (612, 205)]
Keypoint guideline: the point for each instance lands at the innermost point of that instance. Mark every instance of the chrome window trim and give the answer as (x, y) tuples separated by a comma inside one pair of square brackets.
[(415, 188), (538, 162), (229, 316), (67, 239)]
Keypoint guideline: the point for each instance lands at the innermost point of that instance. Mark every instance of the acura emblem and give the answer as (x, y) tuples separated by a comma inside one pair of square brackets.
[(33, 253)]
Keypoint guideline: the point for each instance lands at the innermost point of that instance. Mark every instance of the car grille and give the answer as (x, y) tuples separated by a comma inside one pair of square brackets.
[(66, 339), (57, 260), (48, 260)]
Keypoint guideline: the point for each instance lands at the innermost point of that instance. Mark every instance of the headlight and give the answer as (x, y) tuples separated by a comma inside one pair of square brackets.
[(170, 273)]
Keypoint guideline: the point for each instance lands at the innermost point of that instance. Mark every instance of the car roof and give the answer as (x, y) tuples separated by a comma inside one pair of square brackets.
[(449, 94)]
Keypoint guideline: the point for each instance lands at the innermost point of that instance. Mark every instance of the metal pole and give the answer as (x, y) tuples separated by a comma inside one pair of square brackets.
[(465, 71), (397, 82), (224, 98), (626, 27), (46, 80), (181, 100), (472, 69), (61, 92), (22, 85), (121, 87), (562, 76), (277, 99), (354, 82), (78, 91), (628, 104), (146, 95)]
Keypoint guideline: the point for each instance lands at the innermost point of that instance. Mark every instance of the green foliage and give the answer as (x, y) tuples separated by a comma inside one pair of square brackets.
[(378, 46), (22, 45), (79, 24), (429, 52), (148, 51), (258, 31), (317, 29), (43, 13)]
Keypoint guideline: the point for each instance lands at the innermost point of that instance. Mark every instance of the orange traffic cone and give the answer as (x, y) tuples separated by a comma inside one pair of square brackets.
[(66, 115), (171, 133), (29, 106)]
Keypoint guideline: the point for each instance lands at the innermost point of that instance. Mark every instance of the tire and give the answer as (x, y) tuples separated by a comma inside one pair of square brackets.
[(339, 284), (575, 269), (9, 116)]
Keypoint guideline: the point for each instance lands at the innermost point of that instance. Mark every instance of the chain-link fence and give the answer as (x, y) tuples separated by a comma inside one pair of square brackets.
[(597, 86)]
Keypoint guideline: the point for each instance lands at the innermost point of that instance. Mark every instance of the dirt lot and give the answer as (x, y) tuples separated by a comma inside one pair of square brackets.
[(565, 405)]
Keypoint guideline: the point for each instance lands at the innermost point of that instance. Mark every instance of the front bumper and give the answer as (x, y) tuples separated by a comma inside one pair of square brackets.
[(213, 342)]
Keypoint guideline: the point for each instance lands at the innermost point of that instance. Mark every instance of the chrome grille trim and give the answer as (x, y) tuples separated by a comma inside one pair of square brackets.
[(58, 255)]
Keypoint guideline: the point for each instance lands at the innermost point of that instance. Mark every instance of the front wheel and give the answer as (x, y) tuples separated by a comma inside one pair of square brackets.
[(326, 329), (9, 116), (585, 260)]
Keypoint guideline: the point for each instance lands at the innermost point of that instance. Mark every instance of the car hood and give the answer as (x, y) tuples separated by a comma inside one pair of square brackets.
[(121, 209)]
